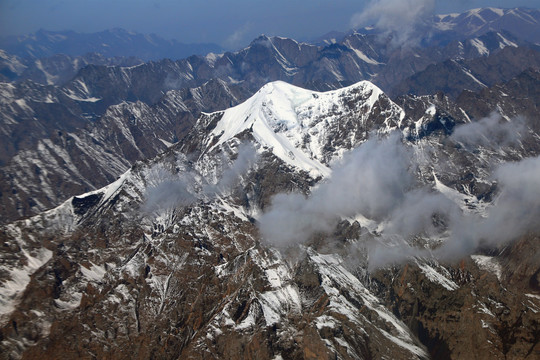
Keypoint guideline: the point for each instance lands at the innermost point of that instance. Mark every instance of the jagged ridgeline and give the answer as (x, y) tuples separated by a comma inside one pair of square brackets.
[(78, 110), (297, 224)]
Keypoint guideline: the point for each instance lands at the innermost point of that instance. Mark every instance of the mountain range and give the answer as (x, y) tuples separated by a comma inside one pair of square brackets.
[(343, 200), (109, 43), (454, 66)]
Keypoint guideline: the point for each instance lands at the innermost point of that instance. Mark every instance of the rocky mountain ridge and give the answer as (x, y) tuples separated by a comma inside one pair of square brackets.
[(93, 154), (440, 29), (33, 114), (173, 259), (524, 22), (455, 76), (57, 69)]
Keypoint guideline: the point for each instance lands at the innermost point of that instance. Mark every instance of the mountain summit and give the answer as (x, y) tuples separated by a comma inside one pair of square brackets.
[(300, 125)]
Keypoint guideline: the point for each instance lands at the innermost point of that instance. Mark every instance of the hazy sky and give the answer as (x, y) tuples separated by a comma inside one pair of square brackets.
[(230, 23)]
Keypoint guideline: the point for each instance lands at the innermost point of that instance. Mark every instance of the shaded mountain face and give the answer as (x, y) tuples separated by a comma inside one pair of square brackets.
[(50, 162), (56, 69), (454, 76), (517, 97), (186, 256), (109, 43)]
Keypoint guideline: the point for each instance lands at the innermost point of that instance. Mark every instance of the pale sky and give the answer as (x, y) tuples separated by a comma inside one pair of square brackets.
[(229, 23)]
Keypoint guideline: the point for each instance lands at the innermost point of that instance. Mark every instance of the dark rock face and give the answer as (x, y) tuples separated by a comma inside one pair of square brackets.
[(484, 307), (453, 77), (519, 96)]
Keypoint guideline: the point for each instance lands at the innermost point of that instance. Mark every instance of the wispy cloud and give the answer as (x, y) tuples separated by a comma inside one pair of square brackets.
[(400, 19), (490, 131), (376, 182), (168, 190), (238, 37), (371, 181)]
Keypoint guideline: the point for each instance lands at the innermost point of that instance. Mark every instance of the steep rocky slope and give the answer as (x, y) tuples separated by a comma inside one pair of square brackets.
[(51, 162), (523, 22), (518, 97), (454, 76), (175, 259)]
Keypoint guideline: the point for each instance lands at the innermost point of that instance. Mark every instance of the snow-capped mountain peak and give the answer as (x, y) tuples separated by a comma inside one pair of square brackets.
[(298, 124)]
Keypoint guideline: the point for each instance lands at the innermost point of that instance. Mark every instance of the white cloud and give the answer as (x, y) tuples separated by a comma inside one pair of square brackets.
[(400, 19), (371, 180), (238, 37), (376, 182)]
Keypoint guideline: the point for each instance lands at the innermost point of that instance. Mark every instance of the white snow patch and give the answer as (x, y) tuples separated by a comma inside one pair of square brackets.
[(11, 289), (365, 58), (467, 203), (484, 309), (237, 211), (497, 11), (505, 42), (469, 74), (488, 263), (431, 110), (72, 96), (71, 304), (278, 303), (94, 273), (480, 46), (436, 277), (23, 105), (325, 321), (211, 58), (166, 143)]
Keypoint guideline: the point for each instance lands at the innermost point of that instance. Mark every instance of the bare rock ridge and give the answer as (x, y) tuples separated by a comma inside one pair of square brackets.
[(173, 259)]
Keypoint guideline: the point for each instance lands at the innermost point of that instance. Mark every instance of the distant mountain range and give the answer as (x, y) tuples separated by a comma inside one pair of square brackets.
[(442, 29), (109, 43), (521, 22)]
